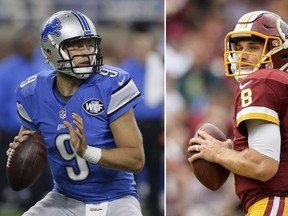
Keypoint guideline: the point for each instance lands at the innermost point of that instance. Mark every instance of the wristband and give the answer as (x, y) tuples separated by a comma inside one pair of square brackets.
[(92, 154)]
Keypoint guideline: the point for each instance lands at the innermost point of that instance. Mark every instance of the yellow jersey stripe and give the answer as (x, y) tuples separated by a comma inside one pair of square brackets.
[(257, 112)]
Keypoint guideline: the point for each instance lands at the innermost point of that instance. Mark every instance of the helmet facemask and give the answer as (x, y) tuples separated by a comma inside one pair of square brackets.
[(87, 63), (233, 58)]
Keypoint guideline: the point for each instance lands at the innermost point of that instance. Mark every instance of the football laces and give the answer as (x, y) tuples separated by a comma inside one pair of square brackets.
[(9, 158)]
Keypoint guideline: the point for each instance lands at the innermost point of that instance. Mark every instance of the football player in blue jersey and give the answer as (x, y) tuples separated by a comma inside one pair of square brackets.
[(84, 111)]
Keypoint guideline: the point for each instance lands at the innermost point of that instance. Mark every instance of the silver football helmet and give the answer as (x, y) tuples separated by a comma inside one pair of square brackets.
[(68, 27)]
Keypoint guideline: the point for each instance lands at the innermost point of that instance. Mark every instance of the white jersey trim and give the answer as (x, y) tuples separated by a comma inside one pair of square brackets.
[(276, 205), (22, 112), (122, 96), (257, 112)]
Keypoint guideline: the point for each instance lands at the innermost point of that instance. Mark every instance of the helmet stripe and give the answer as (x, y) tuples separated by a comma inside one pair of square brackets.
[(83, 22), (244, 21)]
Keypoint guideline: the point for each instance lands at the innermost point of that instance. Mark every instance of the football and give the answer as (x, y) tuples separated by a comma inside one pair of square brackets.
[(26, 162), (211, 175)]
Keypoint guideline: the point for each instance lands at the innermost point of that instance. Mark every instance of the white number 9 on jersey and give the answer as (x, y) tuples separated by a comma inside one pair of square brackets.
[(68, 153)]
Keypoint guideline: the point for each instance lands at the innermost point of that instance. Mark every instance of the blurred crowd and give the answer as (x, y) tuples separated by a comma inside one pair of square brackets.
[(198, 91), (131, 38)]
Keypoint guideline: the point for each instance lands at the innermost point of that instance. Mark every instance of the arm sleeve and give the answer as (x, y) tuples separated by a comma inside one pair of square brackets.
[(265, 138)]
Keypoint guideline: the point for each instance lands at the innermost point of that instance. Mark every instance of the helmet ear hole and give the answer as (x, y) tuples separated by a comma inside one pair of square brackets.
[(49, 53)]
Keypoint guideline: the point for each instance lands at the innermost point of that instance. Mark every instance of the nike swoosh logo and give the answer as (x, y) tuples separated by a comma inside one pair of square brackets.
[(120, 83), (244, 85)]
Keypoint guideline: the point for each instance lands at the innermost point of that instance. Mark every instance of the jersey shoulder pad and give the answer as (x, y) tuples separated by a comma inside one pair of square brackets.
[(111, 71), (35, 82), (118, 76), (263, 73)]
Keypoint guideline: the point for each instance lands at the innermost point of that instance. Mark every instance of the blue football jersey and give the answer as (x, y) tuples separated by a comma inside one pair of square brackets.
[(100, 100)]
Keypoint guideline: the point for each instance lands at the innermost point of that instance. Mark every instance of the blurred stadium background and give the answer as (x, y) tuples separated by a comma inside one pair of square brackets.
[(197, 91), (115, 21)]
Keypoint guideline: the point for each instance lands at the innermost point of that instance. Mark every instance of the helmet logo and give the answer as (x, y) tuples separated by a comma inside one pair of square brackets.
[(53, 28), (275, 43)]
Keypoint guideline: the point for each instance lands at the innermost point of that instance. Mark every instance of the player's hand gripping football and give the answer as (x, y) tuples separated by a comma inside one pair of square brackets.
[(18, 140), (206, 147), (77, 136)]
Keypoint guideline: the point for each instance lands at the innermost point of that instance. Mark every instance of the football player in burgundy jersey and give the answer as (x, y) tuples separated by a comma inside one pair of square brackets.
[(256, 55), (84, 111)]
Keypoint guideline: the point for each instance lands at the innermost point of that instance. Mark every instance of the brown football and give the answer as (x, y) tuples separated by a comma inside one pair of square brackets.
[(26, 163), (211, 175)]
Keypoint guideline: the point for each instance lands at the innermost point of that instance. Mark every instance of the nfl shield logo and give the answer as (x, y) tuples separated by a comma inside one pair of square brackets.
[(62, 114)]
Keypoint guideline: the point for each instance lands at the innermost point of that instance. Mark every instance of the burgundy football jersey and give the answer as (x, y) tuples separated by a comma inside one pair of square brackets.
[(262, 95)]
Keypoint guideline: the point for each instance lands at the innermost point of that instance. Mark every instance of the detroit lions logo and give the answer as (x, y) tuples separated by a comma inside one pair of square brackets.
[(53, 28)]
